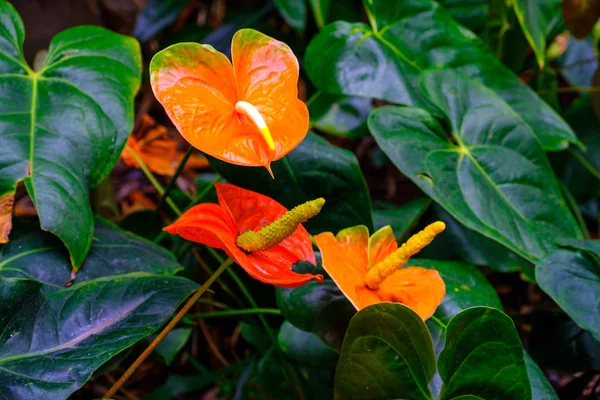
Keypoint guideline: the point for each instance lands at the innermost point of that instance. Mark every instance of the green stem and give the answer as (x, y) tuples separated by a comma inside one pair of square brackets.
[(191, 301), (586, 164), (171, 184), (233, 313), (152, 178), (263, 321), (196, 200), (439, 322)]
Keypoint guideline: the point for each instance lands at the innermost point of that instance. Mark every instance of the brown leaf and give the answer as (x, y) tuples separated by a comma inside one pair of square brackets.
[(6, 206), (151, 141), (580, 16)]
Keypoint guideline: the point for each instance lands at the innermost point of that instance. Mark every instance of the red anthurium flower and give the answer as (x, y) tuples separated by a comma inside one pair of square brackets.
[(245, 112), (369, 270), (272, 237)]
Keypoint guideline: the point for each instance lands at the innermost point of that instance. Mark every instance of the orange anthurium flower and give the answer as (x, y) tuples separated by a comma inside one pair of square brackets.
[(245, 112), (368, 270), (152, 143), (256, 231)]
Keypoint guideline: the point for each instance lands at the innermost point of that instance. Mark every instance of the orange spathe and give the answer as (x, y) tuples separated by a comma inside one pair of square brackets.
[(200, 88), (349, 255), (240, 210)]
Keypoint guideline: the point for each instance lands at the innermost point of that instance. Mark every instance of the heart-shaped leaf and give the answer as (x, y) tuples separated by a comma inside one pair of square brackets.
[(384, 60), (339, 115), (313, 169), (483, 357), (387, 354), (492, 174), (572, 279), (305, 347), (63, 127), (53, 338), (402, 219), (466, 287)]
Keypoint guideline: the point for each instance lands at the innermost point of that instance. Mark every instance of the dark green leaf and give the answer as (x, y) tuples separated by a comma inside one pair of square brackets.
[(483, 357), (541, 389), (557, 342), (384, 60), (173, 343), (387, 354), (294, 12), (496, 179), (320, 309), (471, 13), (53, 338), (402, 219), (313, 169), (339, 115), (63, 127), (572, 279), (256, 336), (536, 19), (38, 255), (466, 287), (320, 9), (305, 347), (156, 15)]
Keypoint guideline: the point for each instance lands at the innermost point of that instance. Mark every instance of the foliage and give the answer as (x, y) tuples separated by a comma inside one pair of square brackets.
[(482, 114)]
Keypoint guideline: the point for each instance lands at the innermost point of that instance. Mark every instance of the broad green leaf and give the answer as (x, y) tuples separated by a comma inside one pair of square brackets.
[(387, 354), (38, 255), (156, 15), (469, 246), (384, 60), (320, 9), (294, 12), (536, 18), (305, 347), (53, 338), (558, 343), (572, 279), (492, 175), (319, 309), (483, 358), (402, 219), (313, 169), (173, 343), (63, 127), (471, 13), (466, 287), (339, 115)]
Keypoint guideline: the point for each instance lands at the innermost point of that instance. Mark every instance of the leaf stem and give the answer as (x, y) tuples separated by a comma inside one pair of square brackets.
[(191, 301), (152, 178), (586, 164), (233, 313), (171, 184), (439, 322)]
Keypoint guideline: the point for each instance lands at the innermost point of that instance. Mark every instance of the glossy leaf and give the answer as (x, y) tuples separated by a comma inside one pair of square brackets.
[(294, 12), (313, 169), (572, 279), (471, 13), (305, 347), (483, 357), (402, 219), (54, 338), (496, 179), (466, 287), (580, 16), (156, 15), (536, 18), (339, 115), (64, 126), (384, 60), (387, 354), (320, 309)]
